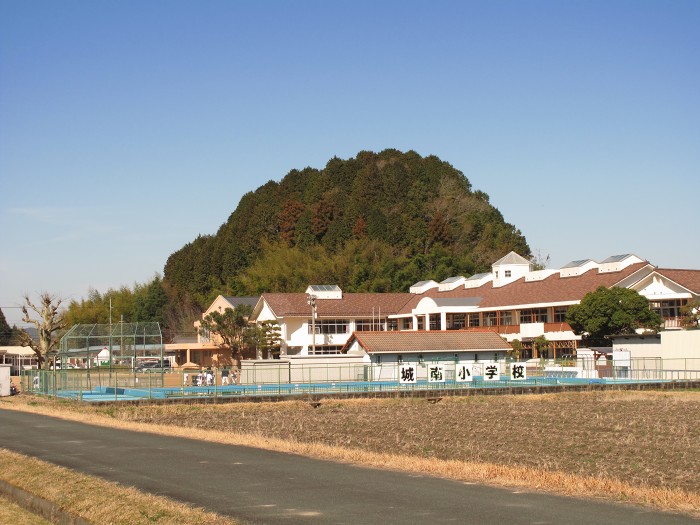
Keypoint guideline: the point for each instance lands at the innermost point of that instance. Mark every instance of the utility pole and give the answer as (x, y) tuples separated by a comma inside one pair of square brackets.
[(312, 301)]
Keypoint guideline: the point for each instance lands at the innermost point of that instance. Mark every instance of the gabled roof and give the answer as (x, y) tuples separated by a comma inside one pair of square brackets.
[(351, 305), (511, 258), (426, 342), (236, 301), (689, 279)]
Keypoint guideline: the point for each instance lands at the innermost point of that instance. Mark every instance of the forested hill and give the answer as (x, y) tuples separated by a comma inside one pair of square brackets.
[(376, 222)]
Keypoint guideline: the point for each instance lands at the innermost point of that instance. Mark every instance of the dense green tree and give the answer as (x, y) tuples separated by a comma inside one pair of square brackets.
[(264, 338), (690, 314), (150, 302), (5, 330), (611, 311), (414, 206), (229, 327)]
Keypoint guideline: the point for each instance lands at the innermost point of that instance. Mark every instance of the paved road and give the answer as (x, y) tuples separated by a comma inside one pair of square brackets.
[(273, 488)]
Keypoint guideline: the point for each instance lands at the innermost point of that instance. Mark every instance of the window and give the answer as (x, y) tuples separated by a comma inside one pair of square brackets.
[(533, 315), (490, 318), (456, 321), (507, 318), (507, 273), (560, 314), (325, 350), (669, 309), (473, 320), (435, 322), (392, 325), (406, 323), (331, 326), (421, 322), (370, 325)]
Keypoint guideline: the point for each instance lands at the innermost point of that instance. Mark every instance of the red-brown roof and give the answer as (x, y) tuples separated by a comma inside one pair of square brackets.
[(351, 305), (553, 289), (689, 279), (431, 341)]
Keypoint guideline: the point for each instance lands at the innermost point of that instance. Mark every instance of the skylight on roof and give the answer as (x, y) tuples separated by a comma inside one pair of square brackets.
[(576, 264), (324, 288), (616, 258)]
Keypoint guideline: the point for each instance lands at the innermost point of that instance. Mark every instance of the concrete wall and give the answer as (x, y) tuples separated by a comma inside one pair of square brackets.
[(309, 370), (681, 344), (4, 380)]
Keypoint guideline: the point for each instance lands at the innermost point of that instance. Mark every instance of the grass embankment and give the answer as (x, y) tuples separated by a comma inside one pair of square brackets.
[(635, 447), (16, 515), (90, 498)]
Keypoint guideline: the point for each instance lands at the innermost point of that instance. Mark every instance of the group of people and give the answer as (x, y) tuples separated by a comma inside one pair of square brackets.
[(208, 377)]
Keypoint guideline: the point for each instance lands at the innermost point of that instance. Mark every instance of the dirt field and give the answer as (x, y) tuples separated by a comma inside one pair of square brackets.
[(642, 438)]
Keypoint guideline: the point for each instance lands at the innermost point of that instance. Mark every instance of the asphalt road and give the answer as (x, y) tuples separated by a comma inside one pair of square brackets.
[(274, 488)]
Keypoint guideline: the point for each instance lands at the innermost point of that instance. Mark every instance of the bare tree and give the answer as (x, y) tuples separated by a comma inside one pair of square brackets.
[(51, 321)]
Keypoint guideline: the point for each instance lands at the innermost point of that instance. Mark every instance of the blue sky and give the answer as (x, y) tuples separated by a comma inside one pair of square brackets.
[(128, 128)]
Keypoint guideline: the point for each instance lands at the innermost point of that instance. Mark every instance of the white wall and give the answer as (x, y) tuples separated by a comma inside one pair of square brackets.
[(680, 344), (4, 380)]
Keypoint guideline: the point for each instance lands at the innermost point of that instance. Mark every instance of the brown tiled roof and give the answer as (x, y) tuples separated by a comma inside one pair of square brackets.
[(689, 279), (351, 305), (431, 341), (553, 289)]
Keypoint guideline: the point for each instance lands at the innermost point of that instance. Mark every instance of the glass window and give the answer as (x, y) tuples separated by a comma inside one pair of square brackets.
[(490, 318), (370, 325), (435, 322), (560, 314), (406, 323), (331, 326), (473, 320), (533, 315), (421, 322), (456, 321), (507, 318), (669, 309), (325, 350)]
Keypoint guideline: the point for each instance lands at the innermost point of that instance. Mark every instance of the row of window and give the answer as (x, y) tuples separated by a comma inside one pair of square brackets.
[(325, 350), (342, 326), (454, 321), (669, 309)]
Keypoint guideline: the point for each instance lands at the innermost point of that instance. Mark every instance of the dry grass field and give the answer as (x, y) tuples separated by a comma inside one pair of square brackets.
[(641, 447), (645, 438)]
